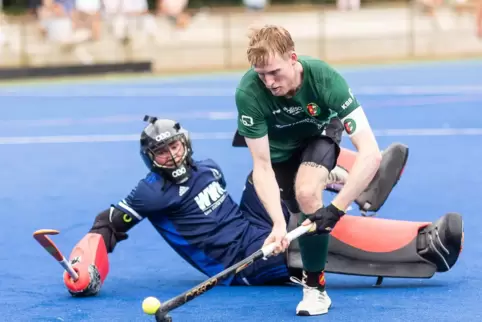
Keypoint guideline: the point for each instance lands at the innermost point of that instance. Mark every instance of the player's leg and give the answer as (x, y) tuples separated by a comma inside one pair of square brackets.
[(274, 270), (253, 209), (372, 199), (271, 271), (318, 160)]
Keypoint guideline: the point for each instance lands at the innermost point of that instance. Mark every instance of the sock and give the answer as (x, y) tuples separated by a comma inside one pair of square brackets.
[(314, 251), (315, 279)]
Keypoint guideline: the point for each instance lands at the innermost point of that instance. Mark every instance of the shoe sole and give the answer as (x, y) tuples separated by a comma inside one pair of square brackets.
[(306, 313)]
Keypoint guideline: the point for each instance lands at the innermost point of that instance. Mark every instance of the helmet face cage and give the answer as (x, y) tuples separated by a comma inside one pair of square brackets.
[(154, 150), (158, 135)]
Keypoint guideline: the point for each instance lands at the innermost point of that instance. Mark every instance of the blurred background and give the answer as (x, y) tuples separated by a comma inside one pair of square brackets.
[(187, 35)]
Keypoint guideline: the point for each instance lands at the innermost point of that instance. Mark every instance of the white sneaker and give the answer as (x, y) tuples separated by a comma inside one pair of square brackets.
[(314, 301)]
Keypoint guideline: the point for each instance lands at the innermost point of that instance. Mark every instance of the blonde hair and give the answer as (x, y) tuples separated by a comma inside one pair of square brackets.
[(267, 41)]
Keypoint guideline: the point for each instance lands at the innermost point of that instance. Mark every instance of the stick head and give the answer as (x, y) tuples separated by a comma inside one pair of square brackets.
[(45, 232), (164, 318), (42, 238)]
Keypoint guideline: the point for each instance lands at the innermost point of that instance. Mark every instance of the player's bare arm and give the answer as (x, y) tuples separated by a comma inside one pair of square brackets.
[(267, 188), (367, 161)]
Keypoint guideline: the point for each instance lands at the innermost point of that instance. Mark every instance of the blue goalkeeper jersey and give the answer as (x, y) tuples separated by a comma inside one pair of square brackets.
[(198, 218)]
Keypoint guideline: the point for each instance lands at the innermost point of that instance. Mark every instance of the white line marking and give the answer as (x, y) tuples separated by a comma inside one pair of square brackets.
[(429, 132), (420, 90), (228, 115), (217, 136), (116, 119), (220, 91)]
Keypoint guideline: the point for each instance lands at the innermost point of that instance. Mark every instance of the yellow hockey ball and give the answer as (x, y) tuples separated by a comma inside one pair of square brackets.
[(150, 305)]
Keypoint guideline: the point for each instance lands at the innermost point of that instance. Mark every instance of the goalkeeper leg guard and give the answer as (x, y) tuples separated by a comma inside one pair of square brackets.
[(394, 159), (368, 246)]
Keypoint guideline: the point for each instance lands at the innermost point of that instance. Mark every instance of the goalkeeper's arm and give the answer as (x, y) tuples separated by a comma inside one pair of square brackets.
[(89, 257)]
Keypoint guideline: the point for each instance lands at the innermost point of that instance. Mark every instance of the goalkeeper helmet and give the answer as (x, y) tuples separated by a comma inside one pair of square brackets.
[(166, 149)]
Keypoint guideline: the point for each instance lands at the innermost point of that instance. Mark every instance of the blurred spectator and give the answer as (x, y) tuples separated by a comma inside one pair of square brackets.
[(255, 4), (87, 14), (127, 18), (174, 10), (346, 5), (54, 19), (10, 37), (3, 34), (430, 6), (114, 18), (33, 6), (479, 19)]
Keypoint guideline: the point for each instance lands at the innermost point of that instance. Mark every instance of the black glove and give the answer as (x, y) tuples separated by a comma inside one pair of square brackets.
[(326, 219)]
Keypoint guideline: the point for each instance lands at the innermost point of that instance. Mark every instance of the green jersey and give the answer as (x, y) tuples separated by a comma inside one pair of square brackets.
[(323, 95)]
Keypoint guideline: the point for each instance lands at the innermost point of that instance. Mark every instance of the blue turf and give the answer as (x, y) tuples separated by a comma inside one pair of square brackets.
[(63, 186)]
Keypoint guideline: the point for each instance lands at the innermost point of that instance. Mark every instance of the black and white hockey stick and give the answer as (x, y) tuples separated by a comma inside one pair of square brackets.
[(162, 313)]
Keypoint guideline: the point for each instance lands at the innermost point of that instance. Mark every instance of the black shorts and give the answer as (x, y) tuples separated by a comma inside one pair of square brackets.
[(322, 150)]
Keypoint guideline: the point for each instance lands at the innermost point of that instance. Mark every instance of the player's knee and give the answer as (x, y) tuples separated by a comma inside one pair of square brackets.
[(309, 198)]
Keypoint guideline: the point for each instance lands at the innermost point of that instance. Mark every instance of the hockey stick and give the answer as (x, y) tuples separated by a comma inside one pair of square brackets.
[(266, 251), (49, 246)]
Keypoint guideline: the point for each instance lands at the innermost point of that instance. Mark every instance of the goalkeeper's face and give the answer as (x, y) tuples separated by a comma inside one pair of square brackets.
[(170, 155), (278, 73)]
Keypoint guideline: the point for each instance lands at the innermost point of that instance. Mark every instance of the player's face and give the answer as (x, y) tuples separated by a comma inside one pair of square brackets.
[(278, 75), (166, 155)]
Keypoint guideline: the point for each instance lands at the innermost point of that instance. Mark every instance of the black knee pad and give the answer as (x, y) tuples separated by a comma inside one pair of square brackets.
[(323, 151)]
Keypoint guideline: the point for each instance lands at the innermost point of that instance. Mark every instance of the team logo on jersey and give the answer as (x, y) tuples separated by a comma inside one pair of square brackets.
[(347, 103), (182, 190), (350, 126), (313, 109), (247, 120), (293, 110), (210, 198), (216, 174)]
